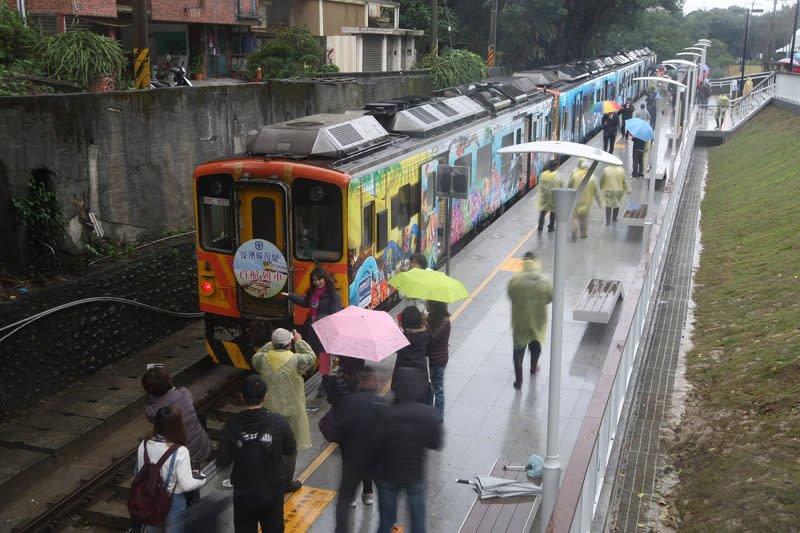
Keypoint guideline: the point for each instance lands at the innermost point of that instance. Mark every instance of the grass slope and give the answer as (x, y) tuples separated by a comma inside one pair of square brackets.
[(738, 447)]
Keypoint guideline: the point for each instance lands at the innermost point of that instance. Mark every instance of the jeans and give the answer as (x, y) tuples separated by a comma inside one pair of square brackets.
[(437, 383), (387, 505), (174, 520)]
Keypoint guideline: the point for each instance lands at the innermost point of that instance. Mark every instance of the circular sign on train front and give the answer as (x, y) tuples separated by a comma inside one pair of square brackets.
[(260, 268)]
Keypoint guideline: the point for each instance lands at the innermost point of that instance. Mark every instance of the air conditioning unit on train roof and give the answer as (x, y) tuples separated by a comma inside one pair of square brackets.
[(323, 135), (426, 118)]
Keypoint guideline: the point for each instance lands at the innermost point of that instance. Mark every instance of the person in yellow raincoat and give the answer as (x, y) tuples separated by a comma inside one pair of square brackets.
[(723, 102), (580, 215), (614, 185), (530, 292), (283, 371), (748, 86), (548, 180)]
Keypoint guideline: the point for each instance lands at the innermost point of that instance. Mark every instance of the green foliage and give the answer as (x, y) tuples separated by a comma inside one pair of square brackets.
[(293, 53), (106, 248), (198, 58), (416, 14), (329, 67), (81, 56), (452, 68), (17, 40), (40, 213)]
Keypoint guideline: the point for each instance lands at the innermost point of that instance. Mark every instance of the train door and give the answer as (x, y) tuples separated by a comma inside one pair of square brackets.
[(263, 215), (577, 117), (533, 132)]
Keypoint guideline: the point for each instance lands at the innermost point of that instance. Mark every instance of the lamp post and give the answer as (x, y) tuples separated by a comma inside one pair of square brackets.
[(564, 201), (744, 49)]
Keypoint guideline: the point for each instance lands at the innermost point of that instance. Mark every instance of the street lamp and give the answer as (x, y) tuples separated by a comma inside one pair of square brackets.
[(564, 201), (744, 49)]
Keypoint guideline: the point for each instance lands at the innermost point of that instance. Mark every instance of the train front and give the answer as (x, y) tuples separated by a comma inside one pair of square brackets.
[(263, 222)]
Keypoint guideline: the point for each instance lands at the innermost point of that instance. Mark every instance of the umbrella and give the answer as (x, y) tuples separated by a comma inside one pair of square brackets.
[(606, 106), (705, 68), (786, 60), (429, 285), (639, 128), (361, 333), (498, 487)]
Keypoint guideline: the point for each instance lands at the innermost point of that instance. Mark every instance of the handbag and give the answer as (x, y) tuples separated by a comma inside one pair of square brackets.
[(327, 425)]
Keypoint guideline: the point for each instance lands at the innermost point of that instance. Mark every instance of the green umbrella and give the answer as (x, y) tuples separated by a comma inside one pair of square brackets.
[(429, 285)]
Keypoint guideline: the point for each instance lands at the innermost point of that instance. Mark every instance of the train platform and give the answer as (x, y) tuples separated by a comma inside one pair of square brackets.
[(486, 419)]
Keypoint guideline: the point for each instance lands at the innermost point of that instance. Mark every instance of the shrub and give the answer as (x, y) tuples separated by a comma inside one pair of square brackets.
[(452, 68), (294, 52), (81, 56)]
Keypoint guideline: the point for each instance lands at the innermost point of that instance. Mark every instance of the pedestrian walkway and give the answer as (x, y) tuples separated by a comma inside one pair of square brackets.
[(485, 417)]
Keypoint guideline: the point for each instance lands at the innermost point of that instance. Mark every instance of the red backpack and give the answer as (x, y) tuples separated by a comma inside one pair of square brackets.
[(149, 502)]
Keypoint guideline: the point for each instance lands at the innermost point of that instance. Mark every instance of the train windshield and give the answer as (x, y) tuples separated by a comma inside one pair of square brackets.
[(214, 213), (317, 220)]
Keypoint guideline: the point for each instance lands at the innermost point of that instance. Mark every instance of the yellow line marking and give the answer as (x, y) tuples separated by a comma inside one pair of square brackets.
[(304, 507), (513, 264), (491, 276)]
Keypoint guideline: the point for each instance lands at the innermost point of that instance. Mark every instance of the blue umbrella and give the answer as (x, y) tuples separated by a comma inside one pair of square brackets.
[(639, 128)]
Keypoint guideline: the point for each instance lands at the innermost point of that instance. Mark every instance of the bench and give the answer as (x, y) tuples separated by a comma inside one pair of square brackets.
[(598, 300), (515, 514), (635, 214)]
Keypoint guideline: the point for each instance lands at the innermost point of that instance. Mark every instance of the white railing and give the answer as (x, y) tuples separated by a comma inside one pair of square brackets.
[(586, 487)]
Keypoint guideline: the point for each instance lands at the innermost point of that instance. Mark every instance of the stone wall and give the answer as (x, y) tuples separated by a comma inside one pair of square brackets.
[(128, 156)]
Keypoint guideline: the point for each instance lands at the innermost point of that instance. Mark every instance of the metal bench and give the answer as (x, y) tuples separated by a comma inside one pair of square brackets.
[(635, 214), (514, 514), (598, 300)]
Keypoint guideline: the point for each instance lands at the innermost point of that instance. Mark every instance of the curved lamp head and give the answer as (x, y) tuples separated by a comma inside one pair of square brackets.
[(563, 148)]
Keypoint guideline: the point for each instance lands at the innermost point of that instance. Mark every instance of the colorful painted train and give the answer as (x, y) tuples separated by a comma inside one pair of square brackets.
[(357, 192)]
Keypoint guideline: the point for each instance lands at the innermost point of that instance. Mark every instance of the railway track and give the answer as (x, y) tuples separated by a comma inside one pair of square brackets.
[(89, 490)]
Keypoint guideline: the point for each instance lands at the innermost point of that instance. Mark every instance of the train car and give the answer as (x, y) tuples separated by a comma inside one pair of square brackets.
[(357, 193)]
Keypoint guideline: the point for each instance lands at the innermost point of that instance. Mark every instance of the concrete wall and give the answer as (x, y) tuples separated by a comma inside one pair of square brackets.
[(128, 157)]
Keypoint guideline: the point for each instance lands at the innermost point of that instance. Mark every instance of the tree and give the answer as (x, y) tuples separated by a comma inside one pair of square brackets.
[(17, 40), (452, 68), (416, 15), (293, 53)]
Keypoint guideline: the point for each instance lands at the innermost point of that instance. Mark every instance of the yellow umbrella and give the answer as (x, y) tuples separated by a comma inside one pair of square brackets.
[(429, 285)]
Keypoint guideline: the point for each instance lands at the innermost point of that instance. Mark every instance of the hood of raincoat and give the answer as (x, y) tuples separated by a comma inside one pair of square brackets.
[(410, 384)]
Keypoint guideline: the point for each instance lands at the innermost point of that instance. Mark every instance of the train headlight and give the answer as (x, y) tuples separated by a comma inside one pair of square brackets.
[(317, 193)]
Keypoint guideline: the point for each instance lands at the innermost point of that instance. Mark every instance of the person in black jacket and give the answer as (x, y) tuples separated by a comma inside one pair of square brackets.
[(322, 300), (356, 413), (610, 125), (403, 431), (624, 114), (260, 445), (415, 354)]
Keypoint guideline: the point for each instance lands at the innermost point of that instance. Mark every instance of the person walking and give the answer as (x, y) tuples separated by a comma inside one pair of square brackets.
[(356, 415), (652, 108), (625, 114), (614, 185), (322, 300), (639, 147), (176, 471), (580, 215), (722, 108), (283, 370), (403, 433), (260, 445), (642, 113), (530, 292), (161, 392), (548, 180), (610, 125), (415, 354), (438, 350)]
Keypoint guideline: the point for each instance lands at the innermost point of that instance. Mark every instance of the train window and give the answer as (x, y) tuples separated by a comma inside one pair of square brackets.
[(214, 212), (464, 161), (263, 210), (317, 220), (505, 159), (484, 162), (368, 225), (415, 199), (382, 230), (401, 207)]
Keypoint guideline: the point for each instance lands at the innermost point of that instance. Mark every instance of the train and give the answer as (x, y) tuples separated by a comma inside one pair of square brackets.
[(360, 192)]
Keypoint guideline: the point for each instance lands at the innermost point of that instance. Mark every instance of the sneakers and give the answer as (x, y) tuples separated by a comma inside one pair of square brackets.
[(368, 498), (353, 502), (294, 486)]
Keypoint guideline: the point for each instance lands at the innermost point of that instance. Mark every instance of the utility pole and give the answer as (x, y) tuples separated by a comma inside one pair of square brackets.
[(435, 27), (141, 52), (794, 34), (493, 35), (744, 50)]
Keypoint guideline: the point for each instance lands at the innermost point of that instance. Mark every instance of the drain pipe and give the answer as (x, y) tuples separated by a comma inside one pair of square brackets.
[(23, 12)]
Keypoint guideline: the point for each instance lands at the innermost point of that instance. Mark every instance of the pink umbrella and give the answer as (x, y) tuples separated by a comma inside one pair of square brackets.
[(361, 333), (786, 60)]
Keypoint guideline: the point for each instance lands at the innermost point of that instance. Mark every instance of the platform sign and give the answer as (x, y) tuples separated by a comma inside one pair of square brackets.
[(260, 268)]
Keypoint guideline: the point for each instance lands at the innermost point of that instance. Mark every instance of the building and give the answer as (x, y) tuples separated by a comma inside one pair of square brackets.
[(360, 36)]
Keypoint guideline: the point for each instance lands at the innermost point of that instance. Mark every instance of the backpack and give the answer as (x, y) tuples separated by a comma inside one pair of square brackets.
[(255, 475), (149, 502), (327, 426)]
